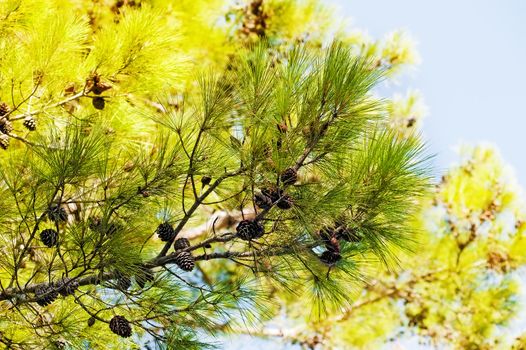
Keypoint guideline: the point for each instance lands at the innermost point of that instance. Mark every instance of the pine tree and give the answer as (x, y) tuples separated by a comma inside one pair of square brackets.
[(128, 127)]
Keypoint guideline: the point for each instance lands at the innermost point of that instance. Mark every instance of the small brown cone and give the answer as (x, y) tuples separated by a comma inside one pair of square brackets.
[(98, 103), (120, 326), (4, 109), (185, 261), (4, 141)]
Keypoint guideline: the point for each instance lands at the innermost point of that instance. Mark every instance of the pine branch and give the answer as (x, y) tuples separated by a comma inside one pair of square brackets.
[(27, 244), (24, 100), (218, 221), (195, 206), (57, 104), (160, 261)]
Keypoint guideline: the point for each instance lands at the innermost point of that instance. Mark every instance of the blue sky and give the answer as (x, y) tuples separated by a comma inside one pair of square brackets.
[(473, 70)]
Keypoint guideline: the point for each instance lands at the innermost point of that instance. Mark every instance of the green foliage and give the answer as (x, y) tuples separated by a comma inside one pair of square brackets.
[(130, 135)]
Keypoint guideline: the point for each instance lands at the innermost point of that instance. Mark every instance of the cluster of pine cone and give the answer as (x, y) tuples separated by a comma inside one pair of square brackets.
[(6, 126), (118, 325), (269, 197), (47, 294), (266, 199), (95, 85), (331, 237), (183, 259)]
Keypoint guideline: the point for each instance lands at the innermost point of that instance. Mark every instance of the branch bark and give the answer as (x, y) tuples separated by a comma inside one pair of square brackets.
[(194, 207)]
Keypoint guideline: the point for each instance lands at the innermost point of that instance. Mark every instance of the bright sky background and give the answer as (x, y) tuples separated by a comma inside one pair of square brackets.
[(473, 70), (472, 76)]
